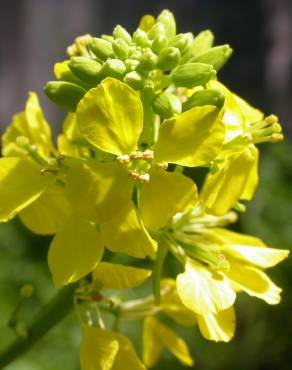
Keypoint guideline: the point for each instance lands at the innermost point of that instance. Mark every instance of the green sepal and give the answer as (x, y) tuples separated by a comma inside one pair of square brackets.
[(168, 58), (192, 74), (121, 48), (64, 73), (167, 105), (121, 33), (86, 69), (148, 61), (134, 79), (157, 29), (101, 48), (113, 68), (159, 43), (182, 41), (140, 38), (65, 94), (205, 97), (216, 56), (167, 19), (202, 42)]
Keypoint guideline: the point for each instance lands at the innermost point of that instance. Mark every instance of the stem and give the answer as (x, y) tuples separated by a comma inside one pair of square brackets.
[(49, 316)]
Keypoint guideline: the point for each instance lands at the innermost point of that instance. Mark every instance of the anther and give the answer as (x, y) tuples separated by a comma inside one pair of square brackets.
[(140, 177), (124, 158), (162, 165)]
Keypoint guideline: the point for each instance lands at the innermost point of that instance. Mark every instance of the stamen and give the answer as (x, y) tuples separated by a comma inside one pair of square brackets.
[(162, 165), (124, 158)]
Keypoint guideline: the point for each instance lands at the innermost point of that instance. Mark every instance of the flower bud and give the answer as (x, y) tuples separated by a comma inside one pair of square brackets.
[(205, 97), (64, 94), (159, 43), (157, 29), (148, 60), (167, 19), (64, 73), (121, 48), (168, 58), (26, 291), (146, 23), (121, 33), (216, 56), (167, 105), (192, 74), (86, 69), (108, 38), (202, 42), (131, 64), (101, 48), (135, 80), (182, 41), (140, 38), (113, 68)]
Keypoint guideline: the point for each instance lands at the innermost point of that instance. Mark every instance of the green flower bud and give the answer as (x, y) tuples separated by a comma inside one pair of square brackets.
[(167, 19), (216, 56), (113, 68), (121, 48), (135, 80), (192, 74), (205, 97), (64, 73), (167, 105), (121, 33), (26, 291), (157, 29), (101, 48), (148, 61), (168, 58), (140, 38), (202, 42), (182, 41), (86, 69), (159, 43), (131, 64), (65, 94), (108, 38)]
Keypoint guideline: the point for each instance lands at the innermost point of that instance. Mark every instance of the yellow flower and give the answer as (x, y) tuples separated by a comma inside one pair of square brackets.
[(219, 262), (103, 349)]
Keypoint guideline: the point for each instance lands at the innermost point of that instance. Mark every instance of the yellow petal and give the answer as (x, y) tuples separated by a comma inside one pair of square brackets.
[(99, 190), (116, 276), (196, 136), (21, 183), (31, 124), (98, 349), (167, 193), (225, 187), (248, 248), (75, 251), (202, 291), (172, 305), (110, 117), (48, 213), (171, 341), (219, 327), (254, 282), (126, 234), (152, 348), (126, 357)]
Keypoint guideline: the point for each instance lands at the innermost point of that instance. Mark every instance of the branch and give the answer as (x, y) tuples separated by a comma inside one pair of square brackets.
[(49, 316)]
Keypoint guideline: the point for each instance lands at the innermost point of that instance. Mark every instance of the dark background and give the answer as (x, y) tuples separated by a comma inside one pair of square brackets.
[(34, 35)]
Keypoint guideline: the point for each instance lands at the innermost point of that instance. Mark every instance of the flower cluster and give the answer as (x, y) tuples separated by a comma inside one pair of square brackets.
[(141, 109)]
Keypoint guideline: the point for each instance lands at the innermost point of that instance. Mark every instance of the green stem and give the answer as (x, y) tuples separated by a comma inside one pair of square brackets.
[(49, 316)]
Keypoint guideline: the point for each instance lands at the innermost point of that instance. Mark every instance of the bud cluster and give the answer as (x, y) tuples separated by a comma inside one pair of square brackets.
[(153, 56)]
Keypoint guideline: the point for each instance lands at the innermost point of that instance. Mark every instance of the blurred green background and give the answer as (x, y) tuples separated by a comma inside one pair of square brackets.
[(35, 35)]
